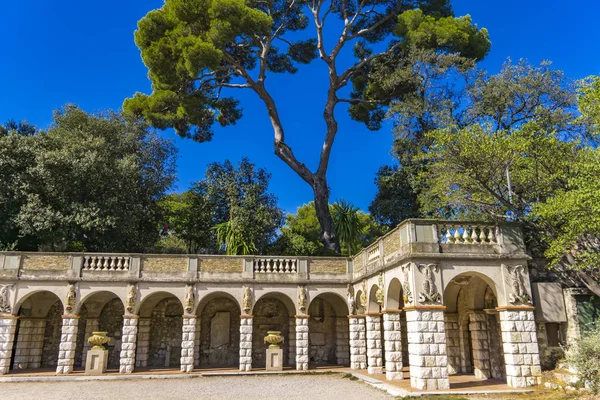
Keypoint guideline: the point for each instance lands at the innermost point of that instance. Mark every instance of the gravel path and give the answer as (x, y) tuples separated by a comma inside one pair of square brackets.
[(279, 387)]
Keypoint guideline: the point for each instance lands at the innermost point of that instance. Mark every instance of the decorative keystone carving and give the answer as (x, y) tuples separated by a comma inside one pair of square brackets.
[(4, 300), (519, 294), (351, 301), (430, 294), (71, 299), (406, 292), (379, 294), (131, 298), (247, 300), (302, 301), (190, 299)]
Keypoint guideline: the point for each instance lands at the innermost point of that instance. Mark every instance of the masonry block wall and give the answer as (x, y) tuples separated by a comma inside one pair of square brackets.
[(302, 342), (358, 342), (128, 344), (8, 327), (452, 342), (342, 348), (374, 343), (68, 342), (246, 343), (480, 344), (392, 337), (188, 337)]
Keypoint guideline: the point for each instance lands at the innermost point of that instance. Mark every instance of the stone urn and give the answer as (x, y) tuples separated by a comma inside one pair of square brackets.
[(99, 339), (274, 338)]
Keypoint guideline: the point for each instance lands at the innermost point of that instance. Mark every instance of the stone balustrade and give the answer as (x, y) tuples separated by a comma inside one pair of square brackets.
[(104, 263), (467, 233), (276, 265)]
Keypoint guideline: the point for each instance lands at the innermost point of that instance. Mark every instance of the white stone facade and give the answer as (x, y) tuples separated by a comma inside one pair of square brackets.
[(358, 342), (302, 342), (246, 343), (342, 347), (8, 327), (374, 343), (129, 344), (427, 348), (68, 342), (521, 353), (188, 343), (392, 337)]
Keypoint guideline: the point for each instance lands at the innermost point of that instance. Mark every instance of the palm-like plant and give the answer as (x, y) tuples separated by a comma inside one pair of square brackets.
[(232, 240), (348, 226)]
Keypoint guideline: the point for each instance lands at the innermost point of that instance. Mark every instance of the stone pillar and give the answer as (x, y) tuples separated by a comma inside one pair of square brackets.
[(358, 342), (197, 344), (427, 347), (143, 342), (8, 327), (480, 344), (342, 348), (246, 342), (392, 337), (91, 325), (374, 343), (128, 344), (521, 353), (452, 342), (302, 342), (68, 342), (292, 342), (30, 343), (188, 338)]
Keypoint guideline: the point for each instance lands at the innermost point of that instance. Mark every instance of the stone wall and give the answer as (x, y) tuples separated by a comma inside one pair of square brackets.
[(111, 321), (46, 262), (164, 264), (327, 266), (452, 343), (549, 355), (358, 342), (219, 333), (322, 332), (496, 354), (52, 336), (270, 314), (230, 264), (165, 334), (342, 347)]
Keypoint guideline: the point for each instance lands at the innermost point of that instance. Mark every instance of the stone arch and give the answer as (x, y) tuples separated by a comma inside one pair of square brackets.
[(479, 284), (100, 297), (159, 331), (217, 331), (38, 333), (393, 298), (373, 306), (284, 298), (328, 330), (273, 311)]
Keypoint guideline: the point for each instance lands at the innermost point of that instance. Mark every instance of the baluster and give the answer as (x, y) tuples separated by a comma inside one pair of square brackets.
[(491, 235), (448, 234), (262, 266), (465, 234), (111, 261), (96, 262), (474, 236), (482, 235), (456, 234), (287, 267)]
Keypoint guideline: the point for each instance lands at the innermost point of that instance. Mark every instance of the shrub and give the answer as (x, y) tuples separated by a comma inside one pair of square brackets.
[(584, 356)]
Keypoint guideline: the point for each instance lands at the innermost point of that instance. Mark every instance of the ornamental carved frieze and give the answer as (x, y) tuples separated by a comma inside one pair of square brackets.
[(406, 292), (519, 293), (5, 307), (247, 300), (190, 299), (70, 299), (429, 294), (131, 298)]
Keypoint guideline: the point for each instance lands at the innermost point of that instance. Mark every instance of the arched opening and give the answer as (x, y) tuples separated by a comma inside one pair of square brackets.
[(373, 306), (328, 330), (473, 336), (273, 312), (160, 331), (100, 312), (218, 331), (37, 338)]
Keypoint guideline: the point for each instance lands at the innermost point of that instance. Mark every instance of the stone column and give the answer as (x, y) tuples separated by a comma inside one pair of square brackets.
[(480, 344), (374, 343), (91, 325), (68, 342), (292, 342), (188, 338), (521, 353), (8, 327), (427, 347), (342, 348), (392, 337), (302, 342), (30, 343), (128, 344), (246, 342), (143, 342), (358, 342), (452, 342), (197, 344)]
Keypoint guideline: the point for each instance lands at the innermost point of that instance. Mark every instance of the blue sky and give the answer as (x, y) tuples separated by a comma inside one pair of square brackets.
[(72, 51)]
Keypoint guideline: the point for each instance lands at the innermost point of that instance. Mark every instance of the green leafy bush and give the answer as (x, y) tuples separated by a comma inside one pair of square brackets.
[(584, 356)]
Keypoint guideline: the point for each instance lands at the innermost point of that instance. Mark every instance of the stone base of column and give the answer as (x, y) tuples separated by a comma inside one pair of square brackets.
[(188, 338), (427, 347), (302, 342), (392, 337), (8, 327), (68, 342), (128, 344), (358, 342), (246, 343), (374, 344), (521, 352)]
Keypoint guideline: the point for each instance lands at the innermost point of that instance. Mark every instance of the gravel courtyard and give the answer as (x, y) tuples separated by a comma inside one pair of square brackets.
[(312, 387)]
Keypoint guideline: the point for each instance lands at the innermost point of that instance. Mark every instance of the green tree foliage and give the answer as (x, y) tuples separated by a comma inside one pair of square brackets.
[(396, 200), (91, 182), (198, 50), (584, 356)]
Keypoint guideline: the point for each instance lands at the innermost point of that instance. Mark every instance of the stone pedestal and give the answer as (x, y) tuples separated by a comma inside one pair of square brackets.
[(96, 362), (8, 327), (274, 360), (358, 342), (302, 342), (392, 337), (91, 325), (480, 344), (521, 353), (68, 342), (427, 347), (374, 343), (128, 344), (188, 338), (245, 342)]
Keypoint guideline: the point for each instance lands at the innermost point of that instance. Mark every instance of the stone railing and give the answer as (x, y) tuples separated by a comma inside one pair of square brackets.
[(276, 265), (467, 233), (105, 263), (373, 255)]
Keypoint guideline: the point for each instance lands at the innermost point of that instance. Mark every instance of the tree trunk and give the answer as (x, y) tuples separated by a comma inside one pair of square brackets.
[(589, 282), (321, 194)]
